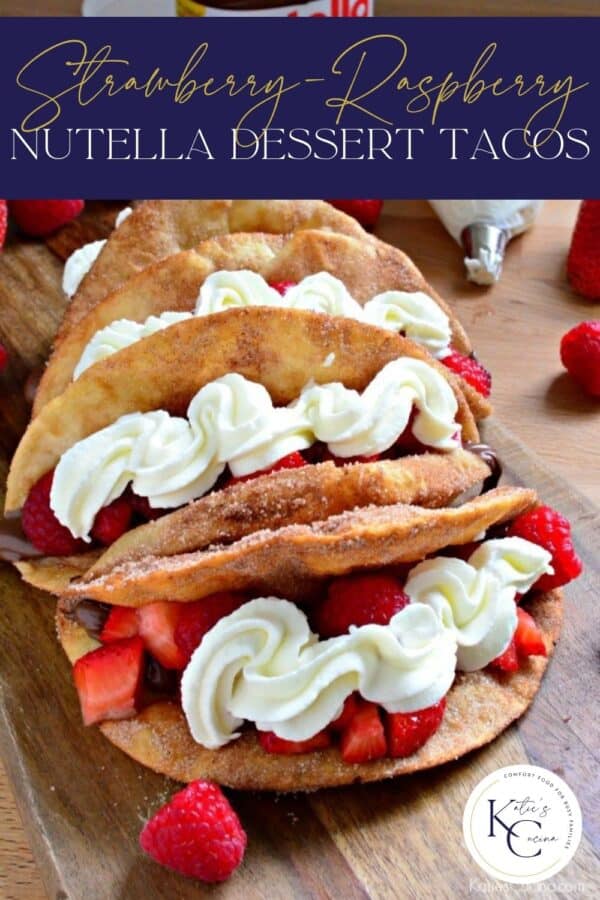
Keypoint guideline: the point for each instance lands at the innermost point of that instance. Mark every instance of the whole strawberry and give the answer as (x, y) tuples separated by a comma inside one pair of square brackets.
[(546, 527), (580, 355), (3, 222), (366, 212), (583, 263), (471, 370), (196, 833), (41, 217)]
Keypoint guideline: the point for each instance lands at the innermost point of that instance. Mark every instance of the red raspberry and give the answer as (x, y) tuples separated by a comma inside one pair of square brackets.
[(41, 217), (407, 732), (196, 833), (291, 461), (41, 526), (112, 521), (366, 212), (3, 222), (583, 263), (359, 600), (3, 358), (141, 506), (471, 370), (282, 287), (580, 355), (547, 528)]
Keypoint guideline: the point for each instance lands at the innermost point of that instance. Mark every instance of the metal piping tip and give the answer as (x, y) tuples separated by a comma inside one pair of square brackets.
[(484, 245)]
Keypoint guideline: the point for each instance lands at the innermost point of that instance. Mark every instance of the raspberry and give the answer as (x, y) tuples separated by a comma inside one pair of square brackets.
[(3, 222), (291, 461), (112, 521), (366, 212), (41, 217), (3, 358), (583, 263), (407, 732), (547, 528), (41, 526), (471, 370), (580, 355), (282, 287), (196, 833), (359, 600)]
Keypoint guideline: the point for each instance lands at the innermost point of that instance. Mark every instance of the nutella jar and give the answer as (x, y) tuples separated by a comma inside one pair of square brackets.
[(327, 8)]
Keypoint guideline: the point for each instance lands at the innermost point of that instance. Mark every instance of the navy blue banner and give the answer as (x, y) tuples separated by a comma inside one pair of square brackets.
[(308, 107)]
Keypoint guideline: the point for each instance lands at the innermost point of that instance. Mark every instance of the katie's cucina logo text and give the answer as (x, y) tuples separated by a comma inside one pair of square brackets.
[(522, 824)]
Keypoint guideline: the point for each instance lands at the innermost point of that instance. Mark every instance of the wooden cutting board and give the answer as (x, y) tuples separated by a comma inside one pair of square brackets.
[(83, 802)]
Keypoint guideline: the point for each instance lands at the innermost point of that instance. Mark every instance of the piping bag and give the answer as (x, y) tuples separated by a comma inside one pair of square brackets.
[(483, 228)]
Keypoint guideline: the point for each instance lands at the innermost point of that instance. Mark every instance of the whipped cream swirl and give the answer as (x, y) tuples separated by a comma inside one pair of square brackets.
[(475, 600), (414, 314), (262, 663), (81, 260), (172, 460)]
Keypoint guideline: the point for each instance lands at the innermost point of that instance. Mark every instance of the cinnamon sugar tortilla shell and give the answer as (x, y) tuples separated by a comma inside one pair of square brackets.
[(295, 560), (300, 496), (54, 573), (480, 705), (280, 348), (159, 228), (367, 268)]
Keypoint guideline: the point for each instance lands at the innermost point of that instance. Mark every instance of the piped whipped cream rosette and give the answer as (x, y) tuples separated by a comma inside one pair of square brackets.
[(281, 695), (413, 314)]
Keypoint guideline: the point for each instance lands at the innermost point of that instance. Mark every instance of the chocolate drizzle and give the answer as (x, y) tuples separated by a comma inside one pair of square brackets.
[(90, 614), (490, 458), (14, 546)]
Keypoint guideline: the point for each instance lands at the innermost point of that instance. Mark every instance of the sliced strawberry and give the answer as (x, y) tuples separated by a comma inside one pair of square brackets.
[(195, 619), (291, 461), (141, 506), (122, 623), (158, 623), (273, 744), (364, 738), (509, 660), (108, 680), (407, 732), (528, 639), (351, 706)]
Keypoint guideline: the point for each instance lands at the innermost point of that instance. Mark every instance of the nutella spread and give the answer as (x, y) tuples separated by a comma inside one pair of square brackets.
[(14, 546), (320, 8), (487, 455)]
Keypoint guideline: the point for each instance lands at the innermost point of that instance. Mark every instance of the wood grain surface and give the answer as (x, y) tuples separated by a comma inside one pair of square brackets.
[(83, 802)]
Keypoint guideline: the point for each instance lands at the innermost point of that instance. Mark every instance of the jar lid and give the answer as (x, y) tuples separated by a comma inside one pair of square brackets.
[(128, 8)]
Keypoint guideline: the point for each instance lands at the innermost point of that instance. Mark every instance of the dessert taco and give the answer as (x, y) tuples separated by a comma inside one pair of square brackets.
[(160, 415), (374, 643), (357, 277)]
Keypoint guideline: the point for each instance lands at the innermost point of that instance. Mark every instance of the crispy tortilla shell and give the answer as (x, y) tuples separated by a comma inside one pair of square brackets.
[(300, 496), (279, 348), (295, 560), (366, 267)]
